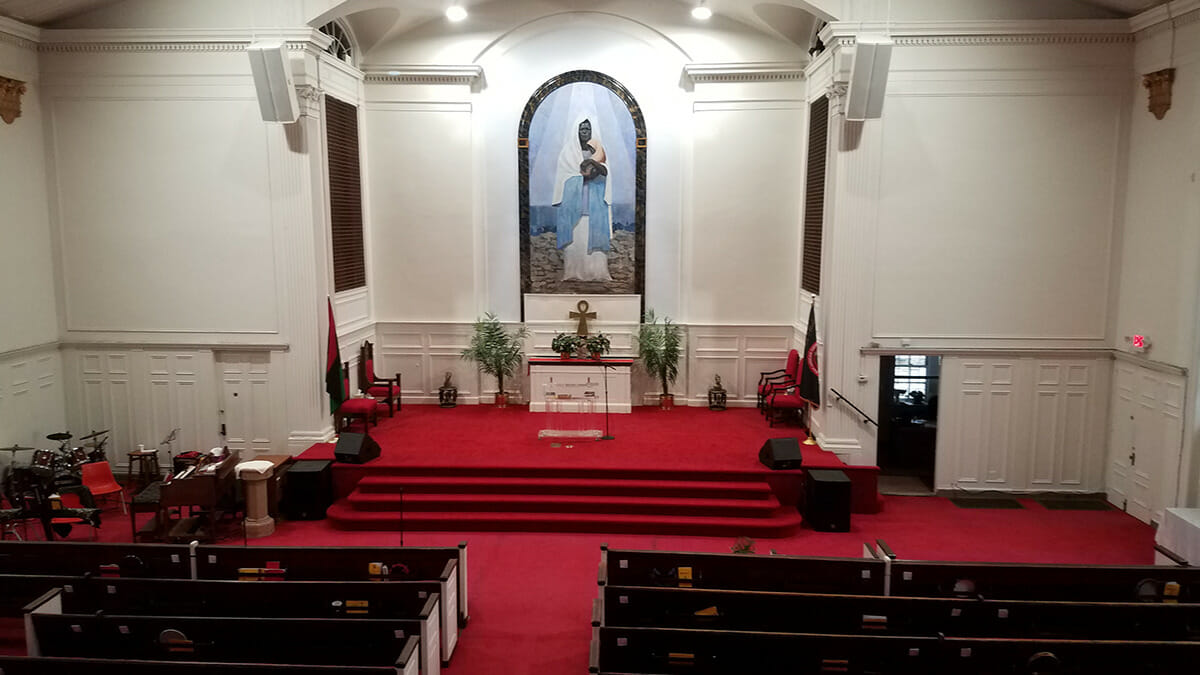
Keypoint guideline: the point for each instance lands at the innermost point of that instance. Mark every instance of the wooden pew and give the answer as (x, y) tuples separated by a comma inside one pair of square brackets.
[(285, 599), (79, 558), (861, 576), (344, 641), (406, 664), (18, 590), (1090, 657), (345, 564), (667, 651), (1087, 583), (879, 615)]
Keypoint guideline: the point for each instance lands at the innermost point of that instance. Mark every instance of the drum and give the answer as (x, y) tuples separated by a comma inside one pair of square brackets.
[(43, 463), (79, 457)]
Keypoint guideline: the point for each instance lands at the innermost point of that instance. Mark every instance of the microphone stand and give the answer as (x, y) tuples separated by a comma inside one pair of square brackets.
[(607, 435)]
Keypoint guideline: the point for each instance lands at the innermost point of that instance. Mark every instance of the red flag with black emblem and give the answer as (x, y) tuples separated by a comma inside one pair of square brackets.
[(335, 382), (810, 377)]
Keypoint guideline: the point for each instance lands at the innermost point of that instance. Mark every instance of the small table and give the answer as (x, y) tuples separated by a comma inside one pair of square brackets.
[(147, 467), (1178, 537)]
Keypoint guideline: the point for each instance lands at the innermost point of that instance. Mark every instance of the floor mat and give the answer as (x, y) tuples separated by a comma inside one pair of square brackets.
[(985, 503), (1076, 504)]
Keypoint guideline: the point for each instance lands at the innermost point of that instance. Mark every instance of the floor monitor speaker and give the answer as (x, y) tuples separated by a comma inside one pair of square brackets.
[(780, 453), (273, 81), (355, 448), (827, 500), (307, 490)]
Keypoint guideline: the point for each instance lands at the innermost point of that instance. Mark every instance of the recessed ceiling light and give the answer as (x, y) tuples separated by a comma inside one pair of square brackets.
[(393, 73), (701, 12), (456, 13)]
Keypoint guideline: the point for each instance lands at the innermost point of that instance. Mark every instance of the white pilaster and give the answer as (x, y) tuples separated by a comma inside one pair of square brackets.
[(845, 308), (298, 208)]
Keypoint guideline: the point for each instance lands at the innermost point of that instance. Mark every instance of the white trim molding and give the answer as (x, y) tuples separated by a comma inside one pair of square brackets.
[(423, 74), (179, 40), (1157, 19), (20, 34), (744, 72), (977, 33)]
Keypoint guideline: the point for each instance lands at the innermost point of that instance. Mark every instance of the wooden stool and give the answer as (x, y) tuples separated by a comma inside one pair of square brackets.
[(147, 467)]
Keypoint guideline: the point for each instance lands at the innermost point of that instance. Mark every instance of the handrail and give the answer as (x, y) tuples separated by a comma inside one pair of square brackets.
[(865, 416)]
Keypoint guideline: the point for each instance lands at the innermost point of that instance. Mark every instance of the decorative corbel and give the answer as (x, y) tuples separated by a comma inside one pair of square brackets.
[(309, 98), (1159, 83), (836, 91), (10, 99)]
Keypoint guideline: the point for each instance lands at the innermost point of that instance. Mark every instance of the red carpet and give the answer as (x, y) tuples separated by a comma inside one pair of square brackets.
[(686, 471), (531, 593)]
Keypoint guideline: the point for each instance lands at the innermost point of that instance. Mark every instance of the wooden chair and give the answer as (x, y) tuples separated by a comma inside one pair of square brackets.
[(382, 389), (772, 379), (366, 409)]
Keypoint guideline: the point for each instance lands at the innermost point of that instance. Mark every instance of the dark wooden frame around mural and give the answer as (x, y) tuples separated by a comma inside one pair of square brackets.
[(639, 125)]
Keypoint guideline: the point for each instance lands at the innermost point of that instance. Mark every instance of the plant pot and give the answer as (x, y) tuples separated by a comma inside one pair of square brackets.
[(564, 355), (502, 400), (666, 401)]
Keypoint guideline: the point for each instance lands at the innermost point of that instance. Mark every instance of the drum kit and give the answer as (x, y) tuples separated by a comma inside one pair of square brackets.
[(29, 483)]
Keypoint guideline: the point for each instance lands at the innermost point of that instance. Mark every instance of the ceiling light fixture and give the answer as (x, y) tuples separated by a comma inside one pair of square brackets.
[(701, 12), (456, 13)]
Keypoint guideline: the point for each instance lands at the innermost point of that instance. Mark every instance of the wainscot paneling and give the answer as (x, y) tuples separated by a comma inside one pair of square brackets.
[(141, 395), (738, 354), (32, 403), (1019, 424), (424, 352)]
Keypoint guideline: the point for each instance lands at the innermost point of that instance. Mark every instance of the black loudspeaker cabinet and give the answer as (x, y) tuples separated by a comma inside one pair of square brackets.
[(827, 500), (355, 448), (307, 490), (780, 453)]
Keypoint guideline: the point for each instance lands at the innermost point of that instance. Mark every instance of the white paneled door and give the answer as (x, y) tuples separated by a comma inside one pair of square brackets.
[(1146, 439), (246, 402)]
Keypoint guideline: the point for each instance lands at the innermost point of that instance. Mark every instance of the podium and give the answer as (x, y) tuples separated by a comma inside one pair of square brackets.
[(571, 409)]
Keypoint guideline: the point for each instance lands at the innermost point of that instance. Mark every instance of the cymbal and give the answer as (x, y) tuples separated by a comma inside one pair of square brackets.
[(17, 448), (61, 436), (93, 435)]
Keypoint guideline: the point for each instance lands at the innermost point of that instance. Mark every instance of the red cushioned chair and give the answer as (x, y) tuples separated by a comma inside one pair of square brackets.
[(382, 389), (366, 409), (783, 403), (785, 377)]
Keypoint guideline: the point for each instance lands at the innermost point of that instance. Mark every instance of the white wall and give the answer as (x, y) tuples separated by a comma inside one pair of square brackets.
[(1160, 248), (996, 204), (161, 190), (27, 272), (32, 403)]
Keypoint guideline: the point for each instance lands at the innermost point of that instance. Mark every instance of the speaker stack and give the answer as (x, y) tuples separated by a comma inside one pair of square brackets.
[(827, 500), (307, 490)]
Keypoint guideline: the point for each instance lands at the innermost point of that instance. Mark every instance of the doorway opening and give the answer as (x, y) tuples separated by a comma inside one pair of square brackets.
[(908, 411)]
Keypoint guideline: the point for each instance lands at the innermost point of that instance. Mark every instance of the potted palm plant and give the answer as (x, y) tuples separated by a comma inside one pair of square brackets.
[(566, 344), (597, 345), (496, 352), (659, 347)]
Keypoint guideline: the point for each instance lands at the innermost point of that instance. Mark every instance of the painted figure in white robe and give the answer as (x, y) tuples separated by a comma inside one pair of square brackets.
[(582, 199)]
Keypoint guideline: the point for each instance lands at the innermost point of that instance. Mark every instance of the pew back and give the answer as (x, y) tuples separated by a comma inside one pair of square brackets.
[(863, 576), (406, 664), (877, 615), (1014, 581), (79, 558)]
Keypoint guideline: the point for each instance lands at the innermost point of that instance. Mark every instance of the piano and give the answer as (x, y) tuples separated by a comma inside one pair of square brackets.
[(204, 492)]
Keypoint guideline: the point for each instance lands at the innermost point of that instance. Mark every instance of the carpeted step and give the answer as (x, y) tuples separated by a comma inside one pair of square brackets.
[(551, 503), (783, 522), (652, 487)]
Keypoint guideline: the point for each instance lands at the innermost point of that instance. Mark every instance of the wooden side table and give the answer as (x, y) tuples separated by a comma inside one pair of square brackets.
[(145, 464)]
